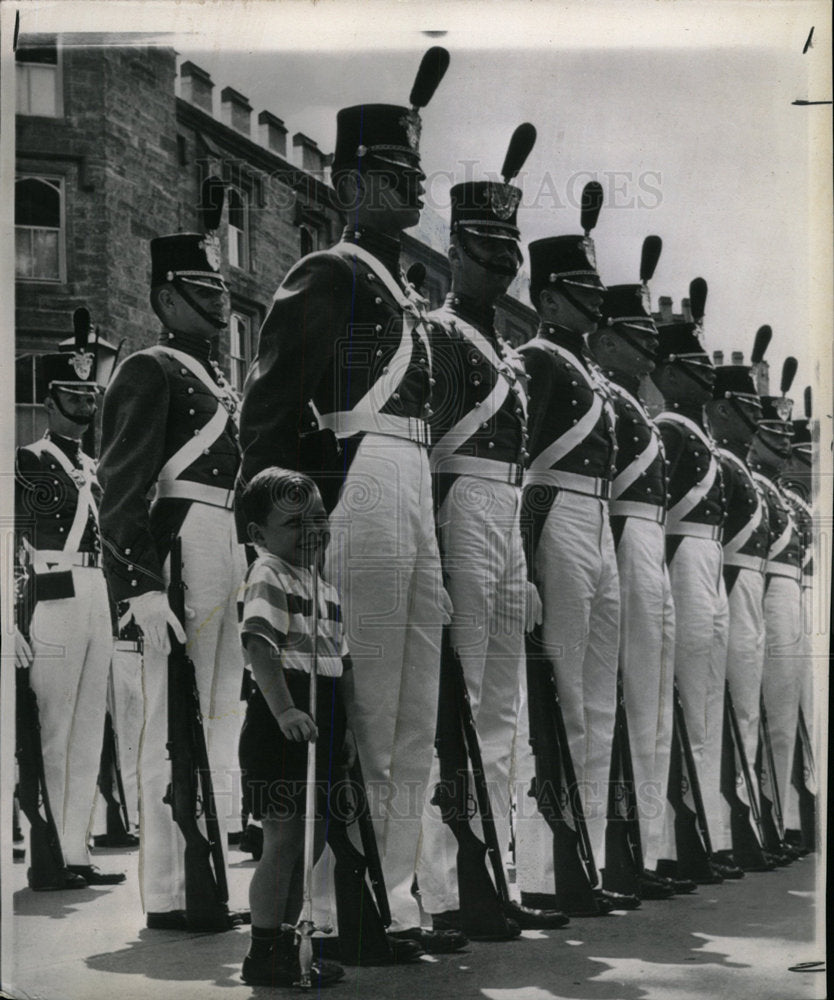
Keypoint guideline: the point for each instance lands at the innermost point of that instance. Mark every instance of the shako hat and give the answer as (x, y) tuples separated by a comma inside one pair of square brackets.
[(569, 259), (193, 258), (73, 370), (370, 135), (628, 308), (736, 381), (489, 207), (777, 410)]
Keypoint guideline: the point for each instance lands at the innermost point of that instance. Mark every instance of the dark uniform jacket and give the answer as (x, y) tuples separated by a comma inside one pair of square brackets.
[(696, 503), (746, 527), (784, 557), (334, 334), (804, 518), (571, 425), (154, 406), (479, 401), (49, 475), (641, 480)]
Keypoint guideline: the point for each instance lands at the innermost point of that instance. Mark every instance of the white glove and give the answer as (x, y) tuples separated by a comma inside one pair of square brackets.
[(22, 650), (532, 608), (153, 615), (446, 606)]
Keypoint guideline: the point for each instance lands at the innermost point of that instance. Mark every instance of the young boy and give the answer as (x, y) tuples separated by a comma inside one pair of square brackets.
[(286, 522)]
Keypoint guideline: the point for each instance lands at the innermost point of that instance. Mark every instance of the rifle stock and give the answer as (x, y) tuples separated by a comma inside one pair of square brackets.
[(555, 787), (771, 798), (623, 842), (692, 774), (747, 840), (481, 905), (191, 789)]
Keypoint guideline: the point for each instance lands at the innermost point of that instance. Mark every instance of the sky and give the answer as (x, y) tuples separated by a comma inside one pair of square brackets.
[(682, 110)]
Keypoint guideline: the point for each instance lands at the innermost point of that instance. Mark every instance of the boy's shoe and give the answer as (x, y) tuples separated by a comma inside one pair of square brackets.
[(54, 882), (279, 965)]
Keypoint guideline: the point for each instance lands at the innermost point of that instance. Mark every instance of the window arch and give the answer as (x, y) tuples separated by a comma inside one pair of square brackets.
[(39, 229)]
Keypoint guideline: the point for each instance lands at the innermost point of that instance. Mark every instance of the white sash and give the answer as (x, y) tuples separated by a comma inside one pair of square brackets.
[(86, 504), (696, 494), (735, 545)]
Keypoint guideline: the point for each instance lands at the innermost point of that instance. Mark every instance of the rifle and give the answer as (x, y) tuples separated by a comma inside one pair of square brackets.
[(805, 780), (45, 853), (191, 793), (362, 938), (555, 787), (747, 840), (623, 843), (694, 842), (110, 775), (482, 905), (773, 820)]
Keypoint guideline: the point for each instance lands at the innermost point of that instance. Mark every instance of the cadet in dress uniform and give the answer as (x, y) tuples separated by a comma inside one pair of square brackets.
[(796, 483), (694, 519), (781, 679), (624, 348), (57, 498), (479, 442), (566, 489), (169, 458), (733, 415), (340, 390)]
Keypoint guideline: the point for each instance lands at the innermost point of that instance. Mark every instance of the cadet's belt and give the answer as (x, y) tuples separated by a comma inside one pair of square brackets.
[(745, 562), (183, 489), (483, 468), (636, 508), (346, 423), (53, 560), (695, 529), (783, 569), (573, 482)]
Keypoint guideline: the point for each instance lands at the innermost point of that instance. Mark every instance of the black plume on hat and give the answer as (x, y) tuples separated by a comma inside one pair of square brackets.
[(760, 344), (520, 147), (213, 194), (81, 327), (788, 374), (649, 256), (432, 69), (697, 299), (806, 398), (592, 196)]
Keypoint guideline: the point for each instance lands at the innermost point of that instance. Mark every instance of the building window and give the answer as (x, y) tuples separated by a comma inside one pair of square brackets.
[(39, 230), (39, 82), (241, 347), (238, 229)]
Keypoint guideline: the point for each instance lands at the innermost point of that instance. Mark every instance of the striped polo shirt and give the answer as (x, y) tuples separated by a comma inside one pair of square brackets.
[(278, 607)]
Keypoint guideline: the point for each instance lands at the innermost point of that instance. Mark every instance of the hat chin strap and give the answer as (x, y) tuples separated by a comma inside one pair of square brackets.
[(751, 425), (504, 271), (592, 314), (632, 343), (202, 313), (84, 421)]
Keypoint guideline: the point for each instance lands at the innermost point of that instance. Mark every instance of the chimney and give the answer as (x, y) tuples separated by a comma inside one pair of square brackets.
[(686, 312), (309, 156), (272, 133), (737, 358), (196, 86), (664, 304), (235, 110), (718, 358)]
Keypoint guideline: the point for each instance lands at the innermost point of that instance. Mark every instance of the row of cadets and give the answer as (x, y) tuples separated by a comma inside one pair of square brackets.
[(479, 448), (70, 644), (571, 553), (783, 659), (624, 346), (340, 389), (169, 459)]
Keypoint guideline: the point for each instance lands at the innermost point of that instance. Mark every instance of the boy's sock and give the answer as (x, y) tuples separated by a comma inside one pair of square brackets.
[(263, 940)]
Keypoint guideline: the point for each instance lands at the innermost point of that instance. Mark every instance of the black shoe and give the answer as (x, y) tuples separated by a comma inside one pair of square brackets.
[(596, 907), (531, 918), (795, 841), (279, 967), (18, 853), (450, 920), (226, 920), (725, 864), (668, 871), (754, 861), (433, 942), (680, 886), (169, 920), (115, 840), (176, 920), (618, 900), (64, 879), (93, 876), (652, 887), (400, 952), (252, 842)]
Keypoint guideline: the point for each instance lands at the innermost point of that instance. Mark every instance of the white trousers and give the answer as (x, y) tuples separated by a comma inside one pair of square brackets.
[(213, 570), (745, 658), (72, 644), (384, 561), (576, 573), (701, 636), (127, 717), (486, 578), (806, 700), (782, 678), (647, 658)]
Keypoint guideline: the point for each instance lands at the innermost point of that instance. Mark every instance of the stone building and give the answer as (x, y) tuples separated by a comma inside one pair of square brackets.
[(108, 156)]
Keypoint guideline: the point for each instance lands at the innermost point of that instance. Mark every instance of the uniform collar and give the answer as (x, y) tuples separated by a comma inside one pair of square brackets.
[(561, 335), (198, 347), (481, 316), (631, 383), (385, 248), (71, 447), (693, 413)]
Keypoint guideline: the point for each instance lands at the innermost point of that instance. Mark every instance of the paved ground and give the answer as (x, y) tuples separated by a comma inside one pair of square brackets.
[(737, 940)]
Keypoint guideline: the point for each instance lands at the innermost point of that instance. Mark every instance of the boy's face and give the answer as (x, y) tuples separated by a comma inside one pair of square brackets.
[(296, 529)]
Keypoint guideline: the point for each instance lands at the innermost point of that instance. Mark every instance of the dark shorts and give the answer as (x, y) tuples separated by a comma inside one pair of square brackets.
[(273, 768)]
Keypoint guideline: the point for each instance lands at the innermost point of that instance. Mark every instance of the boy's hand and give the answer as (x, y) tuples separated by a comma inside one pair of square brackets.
[(349, 750), (297, 725)]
